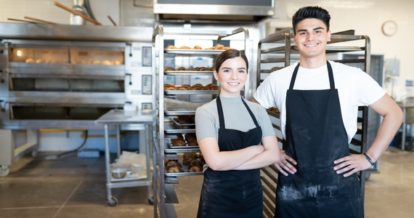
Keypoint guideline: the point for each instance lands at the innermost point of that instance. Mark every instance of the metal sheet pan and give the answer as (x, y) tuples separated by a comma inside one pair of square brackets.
[(193, 51), (180, 124), (190, 92), (177, 107), (184, 174), (170, 129), (188, 72)]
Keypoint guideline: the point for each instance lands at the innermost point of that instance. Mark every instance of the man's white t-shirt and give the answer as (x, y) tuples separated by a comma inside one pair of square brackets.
[(355, 88)]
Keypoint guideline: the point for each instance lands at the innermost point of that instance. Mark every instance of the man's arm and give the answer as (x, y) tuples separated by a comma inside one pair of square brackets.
[(392, 119)]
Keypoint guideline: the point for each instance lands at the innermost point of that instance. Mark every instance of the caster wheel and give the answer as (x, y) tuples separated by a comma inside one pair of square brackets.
[(151, 200), (112, 202), (34, 153), (4, 170)]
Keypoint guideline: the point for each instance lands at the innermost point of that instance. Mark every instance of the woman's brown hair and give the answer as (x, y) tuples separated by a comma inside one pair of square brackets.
[(228, 54)]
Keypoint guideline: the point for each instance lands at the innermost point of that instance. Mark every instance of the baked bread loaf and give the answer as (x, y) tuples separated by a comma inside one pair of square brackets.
[(195, 169), (172, 166), (219, 47), (184, 47), (168, 68), (197, 86), (188, 157), (177, 142), (191, 139), (169, 87), (212, 86)]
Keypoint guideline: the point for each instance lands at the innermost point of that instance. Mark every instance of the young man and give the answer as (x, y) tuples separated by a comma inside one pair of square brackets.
[(319, 100)]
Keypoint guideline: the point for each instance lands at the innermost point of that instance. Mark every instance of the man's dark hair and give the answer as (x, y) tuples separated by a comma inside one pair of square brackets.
[(228, 54), (311, 12)]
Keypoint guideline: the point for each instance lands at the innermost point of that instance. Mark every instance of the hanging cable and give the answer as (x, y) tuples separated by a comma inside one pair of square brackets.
[(56, 156)]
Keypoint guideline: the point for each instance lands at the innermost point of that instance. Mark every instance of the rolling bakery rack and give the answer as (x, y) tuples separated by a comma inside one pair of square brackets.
[(276, 51), (185, 81)]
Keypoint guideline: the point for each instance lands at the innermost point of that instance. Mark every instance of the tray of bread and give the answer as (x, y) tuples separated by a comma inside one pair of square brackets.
[(273, 111), (187, 164), (172, 89), (196, 49), (186, 142), (188, 71)]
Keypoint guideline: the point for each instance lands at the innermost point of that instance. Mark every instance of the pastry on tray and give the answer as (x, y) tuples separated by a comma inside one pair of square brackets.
[(172, 166), (197, 47), (177, 142), (184, 47)]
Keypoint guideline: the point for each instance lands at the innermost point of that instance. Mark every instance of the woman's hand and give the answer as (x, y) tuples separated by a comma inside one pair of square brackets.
[(351, 164), (286, 164)]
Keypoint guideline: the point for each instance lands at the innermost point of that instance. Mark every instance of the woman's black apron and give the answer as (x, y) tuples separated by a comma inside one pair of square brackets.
[(233, 193), (315, 137)]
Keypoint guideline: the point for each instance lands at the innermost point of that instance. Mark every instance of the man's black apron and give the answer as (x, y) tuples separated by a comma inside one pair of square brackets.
[(315, 137), (233, 193)]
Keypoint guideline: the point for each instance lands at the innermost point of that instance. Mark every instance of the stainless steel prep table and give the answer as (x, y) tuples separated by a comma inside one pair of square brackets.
[(132, 121), (407, 106)]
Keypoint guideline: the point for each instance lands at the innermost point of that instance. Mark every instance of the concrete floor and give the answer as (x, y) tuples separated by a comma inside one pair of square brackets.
[(72, 187)]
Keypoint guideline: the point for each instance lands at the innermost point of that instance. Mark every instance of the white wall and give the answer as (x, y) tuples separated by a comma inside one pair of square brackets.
[(46, 10), (366, 18)]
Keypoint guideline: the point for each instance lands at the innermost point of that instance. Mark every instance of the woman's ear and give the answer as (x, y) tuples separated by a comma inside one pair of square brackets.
[(215, 74)]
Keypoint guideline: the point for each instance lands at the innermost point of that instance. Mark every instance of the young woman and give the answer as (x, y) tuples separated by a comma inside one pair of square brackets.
[(236, 139)]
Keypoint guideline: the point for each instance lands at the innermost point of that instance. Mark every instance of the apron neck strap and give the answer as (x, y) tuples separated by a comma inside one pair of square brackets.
[(330, 74), (221, 116), (220, 112), (251, 113)]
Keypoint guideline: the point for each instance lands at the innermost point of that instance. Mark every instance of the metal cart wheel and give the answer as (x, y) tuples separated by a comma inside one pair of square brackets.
[(112, 202), (34, 153), (4, 170)]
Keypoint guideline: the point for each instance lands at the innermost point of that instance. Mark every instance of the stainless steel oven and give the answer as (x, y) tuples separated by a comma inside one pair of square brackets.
[(60, 76)]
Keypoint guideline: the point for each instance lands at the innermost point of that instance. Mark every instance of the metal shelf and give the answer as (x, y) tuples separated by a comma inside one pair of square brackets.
[(179, 112), (171, 129), (190, 92), (193, 51), (182, 149), (187, 72), (169, 106), (183, 174)]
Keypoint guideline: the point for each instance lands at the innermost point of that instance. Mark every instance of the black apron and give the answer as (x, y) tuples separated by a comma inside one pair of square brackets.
[(315, 137), (232, 193)]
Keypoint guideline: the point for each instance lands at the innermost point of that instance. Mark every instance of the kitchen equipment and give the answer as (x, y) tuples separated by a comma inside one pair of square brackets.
[(65, 77), (119, 172)]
